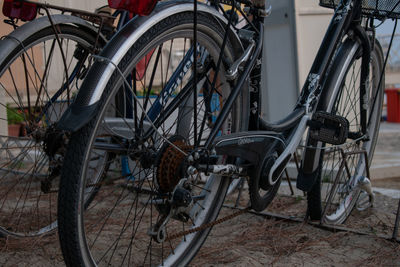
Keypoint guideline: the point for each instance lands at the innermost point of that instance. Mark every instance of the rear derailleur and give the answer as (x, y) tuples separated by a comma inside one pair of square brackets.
[(177, 207), (54, 145)]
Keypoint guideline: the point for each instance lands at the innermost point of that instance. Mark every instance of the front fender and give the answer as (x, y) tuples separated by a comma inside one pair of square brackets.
[(84, 107)]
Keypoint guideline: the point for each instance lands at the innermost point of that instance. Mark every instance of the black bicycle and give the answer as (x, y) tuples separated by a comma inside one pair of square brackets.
[(209, 131)]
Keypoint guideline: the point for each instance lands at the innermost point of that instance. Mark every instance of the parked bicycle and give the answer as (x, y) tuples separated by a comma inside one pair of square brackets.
[(45, 51), (42, 65), (165, 213)]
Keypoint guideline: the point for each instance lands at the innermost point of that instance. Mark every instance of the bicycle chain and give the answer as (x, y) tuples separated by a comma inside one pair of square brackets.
[(207, 225), (167, 178)]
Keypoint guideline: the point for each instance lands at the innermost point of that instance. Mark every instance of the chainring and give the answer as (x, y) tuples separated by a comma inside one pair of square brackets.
[(260, 190)]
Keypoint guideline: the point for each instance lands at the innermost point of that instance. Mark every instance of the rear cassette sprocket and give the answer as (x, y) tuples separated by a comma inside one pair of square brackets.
[(171, 163)]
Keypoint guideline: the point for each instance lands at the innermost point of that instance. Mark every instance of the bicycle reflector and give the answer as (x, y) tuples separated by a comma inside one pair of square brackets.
[(138, 7), (17, 9)]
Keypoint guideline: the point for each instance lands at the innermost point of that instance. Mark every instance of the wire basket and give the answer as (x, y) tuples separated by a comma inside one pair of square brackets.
[(372, 8)]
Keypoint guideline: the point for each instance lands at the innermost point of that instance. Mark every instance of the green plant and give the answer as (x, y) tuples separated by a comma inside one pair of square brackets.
[(299, 198), (14, 116)]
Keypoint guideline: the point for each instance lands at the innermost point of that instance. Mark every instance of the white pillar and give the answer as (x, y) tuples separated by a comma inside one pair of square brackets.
[(279, 81), (293, 34)]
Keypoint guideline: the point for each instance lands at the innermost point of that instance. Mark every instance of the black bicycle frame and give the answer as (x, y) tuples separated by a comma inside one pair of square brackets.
[(346, 14)]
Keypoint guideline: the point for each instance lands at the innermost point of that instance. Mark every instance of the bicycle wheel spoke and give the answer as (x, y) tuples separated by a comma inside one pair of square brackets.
[(34, 86)]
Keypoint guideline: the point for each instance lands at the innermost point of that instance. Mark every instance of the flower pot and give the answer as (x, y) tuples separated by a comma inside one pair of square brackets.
[(22, 129), (13, 130)]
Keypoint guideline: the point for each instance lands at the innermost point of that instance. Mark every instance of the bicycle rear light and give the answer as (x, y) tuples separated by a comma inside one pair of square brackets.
[(138, 7), (17, 9)]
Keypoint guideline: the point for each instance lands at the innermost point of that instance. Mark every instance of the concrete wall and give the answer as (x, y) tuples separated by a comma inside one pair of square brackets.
[(311, 24)]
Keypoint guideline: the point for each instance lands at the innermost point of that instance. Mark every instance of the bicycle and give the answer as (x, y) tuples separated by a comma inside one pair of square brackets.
[(34, 159), (165, 215), (42, 64)]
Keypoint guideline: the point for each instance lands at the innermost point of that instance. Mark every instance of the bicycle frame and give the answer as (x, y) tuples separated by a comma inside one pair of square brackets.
[(308, 100), (346, 16)]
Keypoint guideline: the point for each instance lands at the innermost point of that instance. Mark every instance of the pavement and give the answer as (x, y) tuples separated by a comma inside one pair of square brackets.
[(386, 161), (385, 167)]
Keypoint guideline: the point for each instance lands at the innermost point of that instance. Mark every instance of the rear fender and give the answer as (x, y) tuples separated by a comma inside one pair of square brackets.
[(85, 106)]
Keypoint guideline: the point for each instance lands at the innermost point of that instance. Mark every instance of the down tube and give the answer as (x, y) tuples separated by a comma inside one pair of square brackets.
[(235, 92)]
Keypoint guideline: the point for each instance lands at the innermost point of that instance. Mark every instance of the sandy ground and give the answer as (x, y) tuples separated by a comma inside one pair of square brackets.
[(256, 240)]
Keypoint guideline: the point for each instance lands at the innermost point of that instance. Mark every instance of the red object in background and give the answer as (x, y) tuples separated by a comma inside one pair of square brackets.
[(393, 104), (138, 7), (141, 67), (17, 9)]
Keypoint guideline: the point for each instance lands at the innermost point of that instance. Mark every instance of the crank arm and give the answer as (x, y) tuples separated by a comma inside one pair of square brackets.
[(280, 163)]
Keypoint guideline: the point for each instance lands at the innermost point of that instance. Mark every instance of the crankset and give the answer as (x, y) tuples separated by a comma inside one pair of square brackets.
[(260, 150)]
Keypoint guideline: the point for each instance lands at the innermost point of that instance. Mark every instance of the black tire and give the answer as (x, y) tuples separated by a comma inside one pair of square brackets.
[(342, 98), (121, 202), (28, 204)]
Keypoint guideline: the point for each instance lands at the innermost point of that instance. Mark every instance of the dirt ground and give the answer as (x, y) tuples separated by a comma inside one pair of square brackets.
[(257, 240), (254, 240)]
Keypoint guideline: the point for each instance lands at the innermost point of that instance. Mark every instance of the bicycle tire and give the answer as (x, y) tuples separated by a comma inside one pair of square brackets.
[(344, 100), (28, 196), (80, 245)]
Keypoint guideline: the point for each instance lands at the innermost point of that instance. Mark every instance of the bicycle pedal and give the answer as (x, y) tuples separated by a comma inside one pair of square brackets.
[(329, 128)]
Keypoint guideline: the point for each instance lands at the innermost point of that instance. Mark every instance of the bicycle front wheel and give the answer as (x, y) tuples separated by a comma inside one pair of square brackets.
[(336, 192), (135, 218), (38, 80)]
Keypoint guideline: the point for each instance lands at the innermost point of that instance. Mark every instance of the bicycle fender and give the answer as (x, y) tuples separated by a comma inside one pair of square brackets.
[(310, 170), (84, 107), (14, 39)]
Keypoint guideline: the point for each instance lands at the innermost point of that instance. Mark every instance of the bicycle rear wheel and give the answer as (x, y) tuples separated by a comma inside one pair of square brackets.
[(37, 83), (343, 99), (132, 219)]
